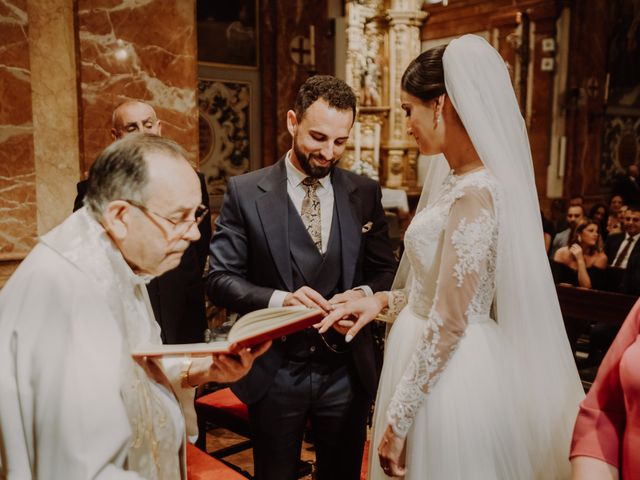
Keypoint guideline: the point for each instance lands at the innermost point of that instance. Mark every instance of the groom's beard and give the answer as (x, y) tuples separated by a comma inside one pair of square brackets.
[(314, 171)]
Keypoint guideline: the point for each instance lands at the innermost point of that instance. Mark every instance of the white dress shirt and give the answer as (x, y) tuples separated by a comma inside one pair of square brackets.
[(625, 260)]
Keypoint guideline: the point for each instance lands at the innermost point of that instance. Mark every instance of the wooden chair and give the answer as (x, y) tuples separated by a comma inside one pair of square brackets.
[(222, 408)]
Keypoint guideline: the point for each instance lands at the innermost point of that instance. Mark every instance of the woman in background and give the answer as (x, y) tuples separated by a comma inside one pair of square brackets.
[(582, 263)]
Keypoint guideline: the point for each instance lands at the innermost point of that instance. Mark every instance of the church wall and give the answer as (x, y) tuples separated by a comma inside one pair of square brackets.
[(64, 66), (140, 50), (603, 127), (17, 165), (504, 23), (281, 77)]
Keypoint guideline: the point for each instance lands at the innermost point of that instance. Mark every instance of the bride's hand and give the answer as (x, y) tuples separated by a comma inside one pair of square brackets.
[(391, 452), (362, 311)]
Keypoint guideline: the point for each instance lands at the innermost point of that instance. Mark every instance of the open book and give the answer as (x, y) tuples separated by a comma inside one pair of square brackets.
[(251, 329)]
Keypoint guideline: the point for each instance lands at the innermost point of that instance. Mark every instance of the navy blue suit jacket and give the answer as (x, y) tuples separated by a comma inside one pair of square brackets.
[(250, 257)]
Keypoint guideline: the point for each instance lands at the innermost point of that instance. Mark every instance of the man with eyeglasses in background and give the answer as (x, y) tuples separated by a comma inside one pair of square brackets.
[(75, 403), (177, 297)]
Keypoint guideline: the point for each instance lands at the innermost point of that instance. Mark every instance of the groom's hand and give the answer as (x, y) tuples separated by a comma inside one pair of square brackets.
[(308, 297)]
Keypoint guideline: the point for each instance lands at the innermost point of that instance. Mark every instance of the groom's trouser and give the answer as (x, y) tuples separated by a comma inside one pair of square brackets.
[(331, 398)]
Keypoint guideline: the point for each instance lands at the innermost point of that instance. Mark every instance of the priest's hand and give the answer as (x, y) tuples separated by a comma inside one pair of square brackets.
[(391, 453), (225, 368), (354, 315)]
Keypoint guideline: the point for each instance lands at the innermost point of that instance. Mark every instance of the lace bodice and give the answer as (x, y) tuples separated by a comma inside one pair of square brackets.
[(452, 247)]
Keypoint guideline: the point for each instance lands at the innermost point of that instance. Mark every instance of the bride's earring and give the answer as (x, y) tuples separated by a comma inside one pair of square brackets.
[(438, 118)]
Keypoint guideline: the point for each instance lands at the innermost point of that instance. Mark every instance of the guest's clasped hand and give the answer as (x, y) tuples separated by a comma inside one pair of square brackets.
[(576, 251)]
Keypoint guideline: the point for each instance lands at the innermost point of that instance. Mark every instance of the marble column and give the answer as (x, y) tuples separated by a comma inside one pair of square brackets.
[(17, 169), (55, 109)]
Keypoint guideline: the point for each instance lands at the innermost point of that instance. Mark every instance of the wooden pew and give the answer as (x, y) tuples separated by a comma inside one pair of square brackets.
[(581, 307)]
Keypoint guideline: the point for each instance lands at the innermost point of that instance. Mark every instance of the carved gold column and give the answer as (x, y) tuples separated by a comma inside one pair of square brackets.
[(382, 38), (400, 153)]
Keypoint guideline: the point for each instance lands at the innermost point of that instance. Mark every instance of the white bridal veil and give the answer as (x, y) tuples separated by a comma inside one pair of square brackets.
[(546, 381)]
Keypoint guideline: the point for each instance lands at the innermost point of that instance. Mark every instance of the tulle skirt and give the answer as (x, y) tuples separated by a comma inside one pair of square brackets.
[(469, 426)]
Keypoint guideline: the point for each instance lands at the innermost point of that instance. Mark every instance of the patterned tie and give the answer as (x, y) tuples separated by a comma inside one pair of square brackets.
[(623, 253), (310, 211)]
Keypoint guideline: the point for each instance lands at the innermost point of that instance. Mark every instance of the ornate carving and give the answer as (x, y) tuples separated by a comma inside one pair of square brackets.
[(381, 43)]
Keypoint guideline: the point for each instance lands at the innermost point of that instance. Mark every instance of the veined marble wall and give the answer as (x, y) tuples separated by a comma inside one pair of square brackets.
[(64, 66), (136, 49), (17, 167)]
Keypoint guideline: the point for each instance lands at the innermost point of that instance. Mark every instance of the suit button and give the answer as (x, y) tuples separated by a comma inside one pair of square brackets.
[(283, 338), (334, 346), (312, 348)]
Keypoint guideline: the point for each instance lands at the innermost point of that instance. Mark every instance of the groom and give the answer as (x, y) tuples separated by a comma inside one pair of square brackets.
[(302, 232)]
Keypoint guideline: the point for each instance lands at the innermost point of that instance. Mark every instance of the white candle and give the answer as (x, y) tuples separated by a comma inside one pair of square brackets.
[(562, 156), (356, 139), (376, 146)]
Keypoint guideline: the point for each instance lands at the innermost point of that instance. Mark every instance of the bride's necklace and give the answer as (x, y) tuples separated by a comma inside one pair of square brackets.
[(464, 171)]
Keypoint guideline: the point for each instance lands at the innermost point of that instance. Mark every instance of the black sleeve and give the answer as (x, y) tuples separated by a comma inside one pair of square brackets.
[(78, 203), (227, 284)]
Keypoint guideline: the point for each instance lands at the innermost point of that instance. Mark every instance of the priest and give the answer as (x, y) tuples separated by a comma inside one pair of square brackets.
[(75, 404)]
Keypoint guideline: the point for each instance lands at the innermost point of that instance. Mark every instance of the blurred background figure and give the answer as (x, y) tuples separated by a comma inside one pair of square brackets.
[(599, 213), (582, 263), (575, 213), (627, 186)]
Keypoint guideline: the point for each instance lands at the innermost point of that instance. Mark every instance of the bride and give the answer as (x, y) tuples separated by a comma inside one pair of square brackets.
[(478, 379)]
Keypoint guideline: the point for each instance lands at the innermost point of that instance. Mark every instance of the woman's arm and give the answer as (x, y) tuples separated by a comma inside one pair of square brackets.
[(584, 280), (602, 417), (589, 468)]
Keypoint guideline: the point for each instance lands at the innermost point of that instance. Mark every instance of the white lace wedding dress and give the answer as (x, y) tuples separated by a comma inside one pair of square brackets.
[(445, 383)]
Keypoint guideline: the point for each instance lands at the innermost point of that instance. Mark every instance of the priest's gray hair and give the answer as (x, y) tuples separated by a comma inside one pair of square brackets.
[(121, 171)]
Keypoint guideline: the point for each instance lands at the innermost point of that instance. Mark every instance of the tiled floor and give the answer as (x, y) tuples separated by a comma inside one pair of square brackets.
[(220, 438)]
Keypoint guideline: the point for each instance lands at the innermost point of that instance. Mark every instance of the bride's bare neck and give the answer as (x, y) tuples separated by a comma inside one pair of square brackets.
[(460, 152)]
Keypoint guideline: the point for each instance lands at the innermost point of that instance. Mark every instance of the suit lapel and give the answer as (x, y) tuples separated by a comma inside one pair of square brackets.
[(272, 210), (348, 210)]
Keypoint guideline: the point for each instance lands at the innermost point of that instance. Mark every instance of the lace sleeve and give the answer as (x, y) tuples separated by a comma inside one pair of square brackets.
[(397, 301), (469, 244)]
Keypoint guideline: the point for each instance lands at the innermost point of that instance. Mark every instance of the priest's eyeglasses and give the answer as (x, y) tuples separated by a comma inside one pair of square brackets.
[(179, 227)]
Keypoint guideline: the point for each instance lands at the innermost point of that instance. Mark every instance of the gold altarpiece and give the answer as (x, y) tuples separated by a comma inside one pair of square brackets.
[(383, 36)]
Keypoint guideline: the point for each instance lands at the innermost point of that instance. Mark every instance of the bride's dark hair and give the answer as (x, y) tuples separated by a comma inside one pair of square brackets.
[(424, 77)]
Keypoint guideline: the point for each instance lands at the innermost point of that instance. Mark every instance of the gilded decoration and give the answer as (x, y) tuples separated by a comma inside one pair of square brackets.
[(382, 38)]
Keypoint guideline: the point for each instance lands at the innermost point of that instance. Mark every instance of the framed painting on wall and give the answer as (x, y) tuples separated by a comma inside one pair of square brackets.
[(229, 127), (228, 33)]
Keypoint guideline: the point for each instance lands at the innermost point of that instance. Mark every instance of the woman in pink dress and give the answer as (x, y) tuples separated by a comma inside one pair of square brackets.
[(606, 437)]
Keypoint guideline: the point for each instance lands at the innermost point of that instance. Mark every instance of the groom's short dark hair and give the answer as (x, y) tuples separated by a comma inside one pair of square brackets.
[(332, 90)]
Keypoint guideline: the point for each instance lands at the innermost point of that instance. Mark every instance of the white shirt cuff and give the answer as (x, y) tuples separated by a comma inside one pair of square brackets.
[(277, 298), (366, 289)]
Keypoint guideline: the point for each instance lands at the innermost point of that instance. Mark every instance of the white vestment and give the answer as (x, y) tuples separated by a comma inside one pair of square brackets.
[(73, 403)]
